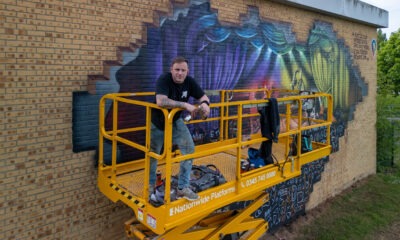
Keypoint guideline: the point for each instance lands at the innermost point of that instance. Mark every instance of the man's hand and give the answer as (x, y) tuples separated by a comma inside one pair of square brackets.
[(199, 111), (204, 110), (190, 108)]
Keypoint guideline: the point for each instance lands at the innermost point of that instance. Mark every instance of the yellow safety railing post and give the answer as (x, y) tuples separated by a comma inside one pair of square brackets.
[(168, 157), (101, 126), (114, 141), (147, 156)]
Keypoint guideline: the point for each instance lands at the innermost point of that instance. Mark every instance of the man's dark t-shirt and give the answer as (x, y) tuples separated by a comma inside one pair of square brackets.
[(178, 92)]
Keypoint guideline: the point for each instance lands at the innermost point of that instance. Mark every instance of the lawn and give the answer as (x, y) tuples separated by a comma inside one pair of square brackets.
[(370, 209)]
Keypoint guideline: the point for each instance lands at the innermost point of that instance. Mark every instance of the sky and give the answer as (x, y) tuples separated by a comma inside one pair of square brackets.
[(393, 7)]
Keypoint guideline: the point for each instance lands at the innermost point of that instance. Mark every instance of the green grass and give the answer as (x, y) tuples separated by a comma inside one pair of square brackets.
[(361, 211)]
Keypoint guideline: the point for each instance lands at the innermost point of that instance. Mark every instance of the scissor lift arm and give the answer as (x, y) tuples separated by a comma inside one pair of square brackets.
[(214, 226)]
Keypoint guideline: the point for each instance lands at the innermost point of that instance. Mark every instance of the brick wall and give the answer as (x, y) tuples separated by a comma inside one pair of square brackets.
[(50, 49)]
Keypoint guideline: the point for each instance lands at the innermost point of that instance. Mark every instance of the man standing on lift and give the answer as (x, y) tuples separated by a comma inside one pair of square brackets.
[(173, 90)]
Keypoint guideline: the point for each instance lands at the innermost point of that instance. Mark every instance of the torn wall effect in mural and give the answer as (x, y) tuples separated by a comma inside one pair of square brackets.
[(255, 53)]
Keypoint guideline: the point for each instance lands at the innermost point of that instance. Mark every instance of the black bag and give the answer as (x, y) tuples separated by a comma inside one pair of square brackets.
[(204, 177)]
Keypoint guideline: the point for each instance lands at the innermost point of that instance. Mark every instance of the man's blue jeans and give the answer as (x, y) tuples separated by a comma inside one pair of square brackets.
[(181, 137)]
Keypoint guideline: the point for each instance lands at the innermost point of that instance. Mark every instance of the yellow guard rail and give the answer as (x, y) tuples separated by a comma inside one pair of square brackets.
[(236, 118)]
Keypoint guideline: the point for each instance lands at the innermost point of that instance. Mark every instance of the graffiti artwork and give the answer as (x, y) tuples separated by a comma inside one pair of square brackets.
[(256, 53)]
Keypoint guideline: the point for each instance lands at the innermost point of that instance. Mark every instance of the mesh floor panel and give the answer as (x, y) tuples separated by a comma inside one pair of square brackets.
[(225, 162)]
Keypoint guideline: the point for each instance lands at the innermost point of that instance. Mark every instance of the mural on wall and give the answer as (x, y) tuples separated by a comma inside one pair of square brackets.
[(255, 53)]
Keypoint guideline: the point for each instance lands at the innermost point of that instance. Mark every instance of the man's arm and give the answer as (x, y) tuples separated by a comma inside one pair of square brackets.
[(204, 98), (165, 102)]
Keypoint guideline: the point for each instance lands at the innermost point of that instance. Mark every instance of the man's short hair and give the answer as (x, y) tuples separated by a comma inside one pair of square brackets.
[(179, 59)]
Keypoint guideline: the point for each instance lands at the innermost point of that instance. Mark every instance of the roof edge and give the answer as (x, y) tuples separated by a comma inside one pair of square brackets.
[(353, 10)]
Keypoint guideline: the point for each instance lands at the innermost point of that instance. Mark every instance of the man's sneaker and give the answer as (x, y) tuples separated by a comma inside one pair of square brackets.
[(157, 198), (151, 190), (188, 194)]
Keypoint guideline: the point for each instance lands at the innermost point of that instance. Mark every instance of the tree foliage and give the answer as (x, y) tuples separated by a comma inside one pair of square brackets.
[(381, 38), (388, 105), (385, 126), (389, 64)]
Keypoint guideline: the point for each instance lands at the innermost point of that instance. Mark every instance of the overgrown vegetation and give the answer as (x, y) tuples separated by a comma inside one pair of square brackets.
[(388, 103), (388, 130), (389, 64), (361, 212)]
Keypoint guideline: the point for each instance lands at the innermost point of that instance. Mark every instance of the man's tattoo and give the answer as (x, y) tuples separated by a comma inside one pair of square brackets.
[(169, 103)]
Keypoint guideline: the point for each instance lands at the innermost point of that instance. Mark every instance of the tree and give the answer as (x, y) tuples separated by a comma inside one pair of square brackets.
[(386, 129), (381, 38), (389, 65)]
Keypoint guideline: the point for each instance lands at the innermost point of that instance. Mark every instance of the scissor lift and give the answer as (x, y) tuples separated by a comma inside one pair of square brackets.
[(209, 217)]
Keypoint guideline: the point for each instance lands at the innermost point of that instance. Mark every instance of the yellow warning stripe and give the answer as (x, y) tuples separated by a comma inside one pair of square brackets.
[(127, 195)]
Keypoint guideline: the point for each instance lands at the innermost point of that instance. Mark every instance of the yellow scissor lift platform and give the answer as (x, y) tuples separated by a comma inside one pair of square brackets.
[(208, 217)]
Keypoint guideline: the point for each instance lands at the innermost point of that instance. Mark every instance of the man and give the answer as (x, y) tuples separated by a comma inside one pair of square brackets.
[(173, 90)]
